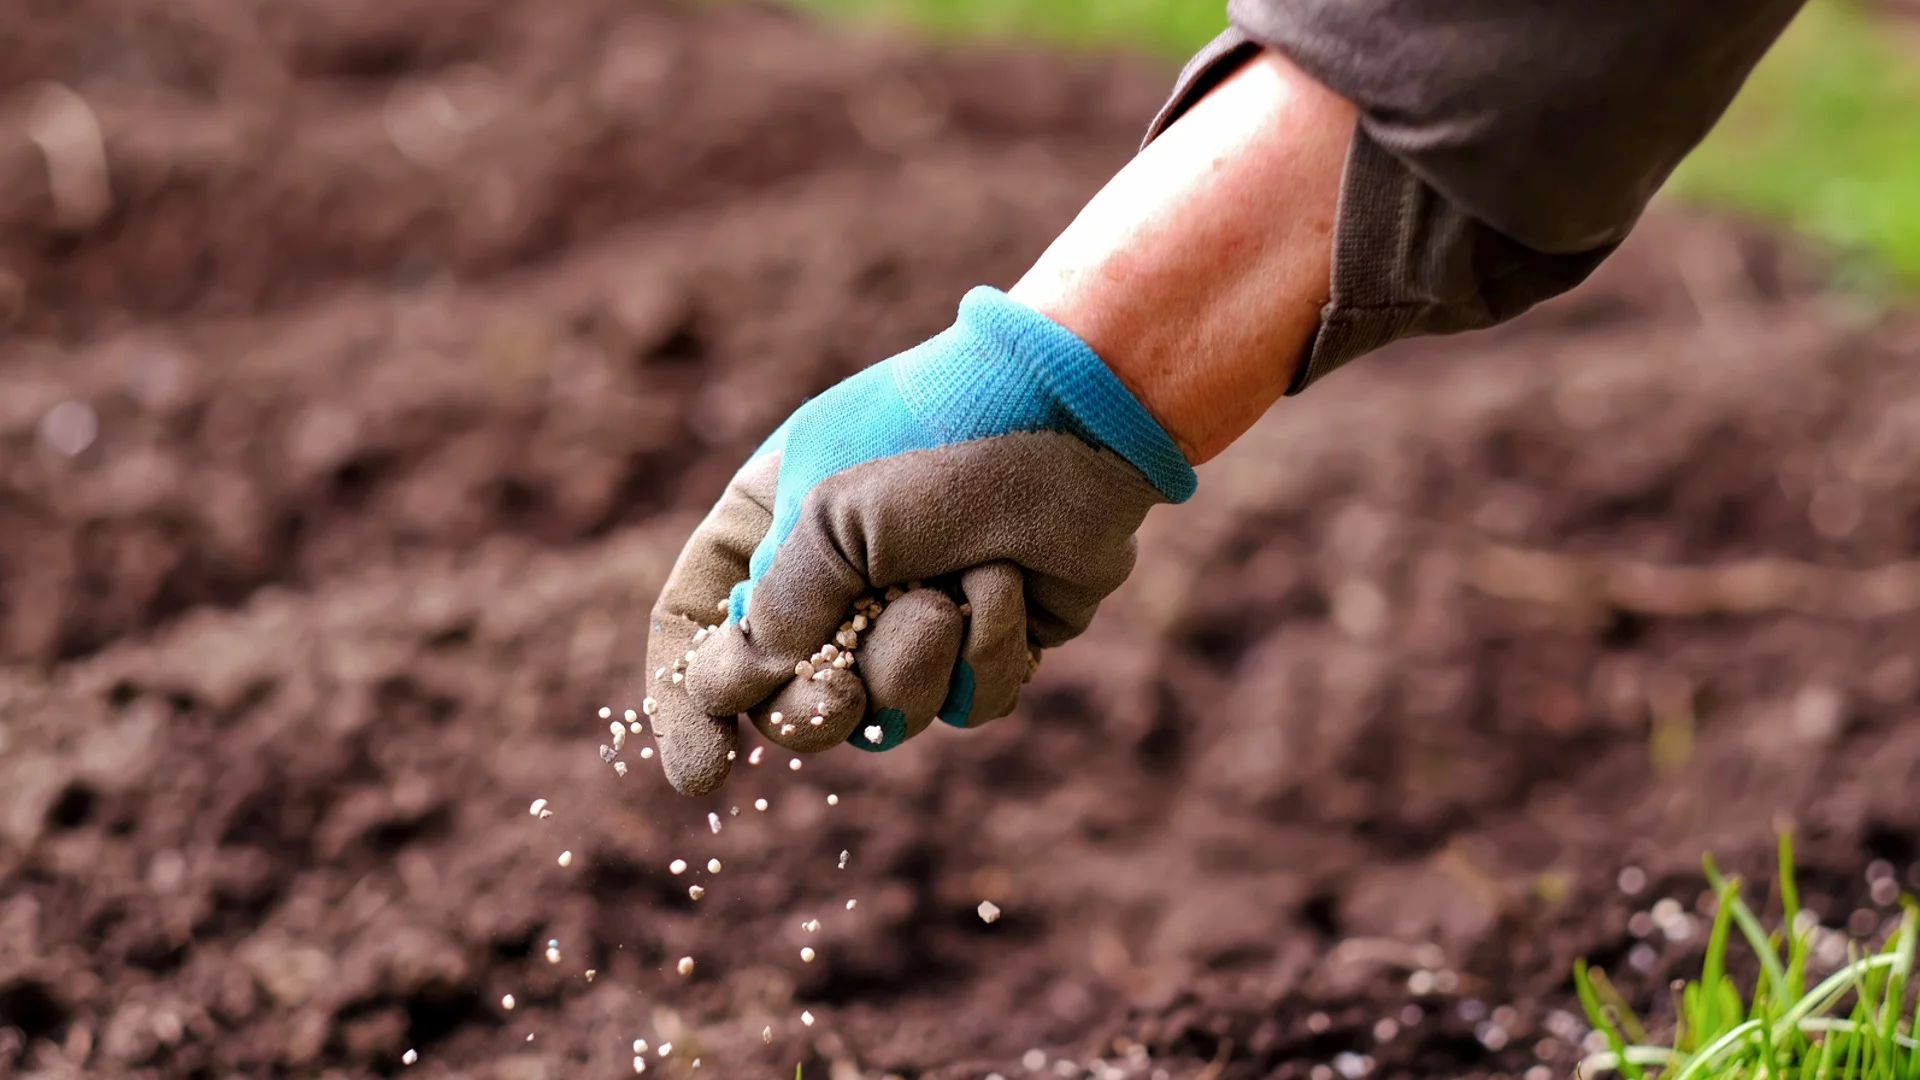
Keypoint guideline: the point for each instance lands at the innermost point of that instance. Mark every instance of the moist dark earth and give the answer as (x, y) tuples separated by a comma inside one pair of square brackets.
[(345, 443)]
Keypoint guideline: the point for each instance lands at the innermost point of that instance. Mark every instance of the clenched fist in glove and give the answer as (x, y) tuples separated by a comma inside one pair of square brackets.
[(1000, 463)]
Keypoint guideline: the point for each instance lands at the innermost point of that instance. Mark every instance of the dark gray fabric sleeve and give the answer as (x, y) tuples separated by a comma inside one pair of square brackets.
[(1504, 148)]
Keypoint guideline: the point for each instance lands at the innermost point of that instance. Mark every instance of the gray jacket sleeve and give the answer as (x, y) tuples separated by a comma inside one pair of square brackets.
[(1504, 148)]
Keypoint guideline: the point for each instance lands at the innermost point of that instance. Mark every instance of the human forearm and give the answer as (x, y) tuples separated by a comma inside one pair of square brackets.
[(1198, 273)]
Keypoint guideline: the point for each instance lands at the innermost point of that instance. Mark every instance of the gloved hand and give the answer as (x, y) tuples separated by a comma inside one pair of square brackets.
[(1000, 463)]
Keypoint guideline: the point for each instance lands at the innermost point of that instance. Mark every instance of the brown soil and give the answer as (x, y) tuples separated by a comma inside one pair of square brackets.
[(394, 447)]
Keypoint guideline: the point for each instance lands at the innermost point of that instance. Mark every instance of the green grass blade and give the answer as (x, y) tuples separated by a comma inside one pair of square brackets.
[(1901, 948), (1597, 1014), (1608, 1061), (1829, 1046), (1712, 1001), (1750, 928), (1789, 888), (1823, 996), (1711, 1054), (1631, 1029), (1828, 1023)]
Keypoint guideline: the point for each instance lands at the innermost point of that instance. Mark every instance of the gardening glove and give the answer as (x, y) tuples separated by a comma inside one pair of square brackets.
[(1000, 463)]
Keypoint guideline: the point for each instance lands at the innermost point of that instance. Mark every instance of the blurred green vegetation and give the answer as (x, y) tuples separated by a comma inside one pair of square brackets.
[(1825, 137)]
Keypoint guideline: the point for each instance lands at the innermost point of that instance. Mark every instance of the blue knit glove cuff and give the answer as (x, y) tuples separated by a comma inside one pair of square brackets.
[(1004, 367)]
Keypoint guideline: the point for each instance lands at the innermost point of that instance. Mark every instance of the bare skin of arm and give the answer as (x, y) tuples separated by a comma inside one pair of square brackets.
[(1199, 271)]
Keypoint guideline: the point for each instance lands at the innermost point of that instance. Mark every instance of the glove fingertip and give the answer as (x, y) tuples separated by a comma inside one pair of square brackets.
[(815, 713), (696, 750)]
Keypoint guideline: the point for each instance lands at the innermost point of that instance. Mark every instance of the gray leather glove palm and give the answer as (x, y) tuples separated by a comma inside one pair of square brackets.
[(1000, 463)]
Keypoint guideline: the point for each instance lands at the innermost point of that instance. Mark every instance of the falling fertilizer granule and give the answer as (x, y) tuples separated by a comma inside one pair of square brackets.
[(566, 858), (988, 912), (696, 892), (760, 804), (677, 866), (639, 1064), (844, 856), (807, 954), (506, 1002), (833, 800), (686, 968), (806, 1017), (539, 809), (409, 1057), (713, 866), (713, 821), (553, 950)]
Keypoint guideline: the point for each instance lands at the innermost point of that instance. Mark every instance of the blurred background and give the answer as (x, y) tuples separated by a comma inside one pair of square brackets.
[(366, 362)]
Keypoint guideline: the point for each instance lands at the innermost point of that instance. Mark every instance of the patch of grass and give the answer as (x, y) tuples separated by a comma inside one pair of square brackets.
[(1854, 1024), (1171, 27), (1825, 138)]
